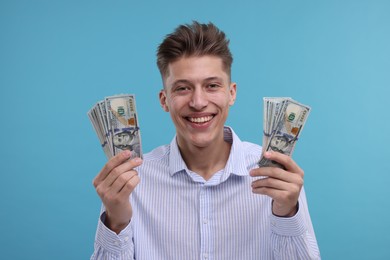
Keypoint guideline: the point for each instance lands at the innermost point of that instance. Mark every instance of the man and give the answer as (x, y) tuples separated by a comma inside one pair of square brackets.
[(202, 196)]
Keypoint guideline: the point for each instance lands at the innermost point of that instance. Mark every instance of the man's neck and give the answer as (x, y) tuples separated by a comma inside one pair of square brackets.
[(206, 161)]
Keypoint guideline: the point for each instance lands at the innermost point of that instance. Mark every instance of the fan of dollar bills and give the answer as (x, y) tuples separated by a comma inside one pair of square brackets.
[(116, 124), (283, 121)]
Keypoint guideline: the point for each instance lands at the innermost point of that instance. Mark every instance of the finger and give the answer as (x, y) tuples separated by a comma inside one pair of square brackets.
[(104, 188), (274, 188), (271, 192), (271, 183), (276, 195), (273, 172), (284, 160), (130, 185), (120, 169), (121, 181), (111, 164), (122, 188)]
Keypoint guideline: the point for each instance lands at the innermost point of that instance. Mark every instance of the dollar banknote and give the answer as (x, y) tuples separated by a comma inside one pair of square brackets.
[(283, 121), (115, 121)]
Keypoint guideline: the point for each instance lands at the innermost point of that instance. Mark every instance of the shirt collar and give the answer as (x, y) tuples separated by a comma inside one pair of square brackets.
[(236, 163), (176, 162)]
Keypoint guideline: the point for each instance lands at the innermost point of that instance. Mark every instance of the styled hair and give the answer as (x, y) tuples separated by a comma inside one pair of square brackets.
[(194, 39)]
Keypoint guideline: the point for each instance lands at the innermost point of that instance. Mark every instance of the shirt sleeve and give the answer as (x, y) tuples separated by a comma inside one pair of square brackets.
[(294, 238), (109, 245)]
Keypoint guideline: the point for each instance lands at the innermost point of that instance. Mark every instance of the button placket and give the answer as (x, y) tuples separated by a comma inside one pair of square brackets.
[(204, 217)]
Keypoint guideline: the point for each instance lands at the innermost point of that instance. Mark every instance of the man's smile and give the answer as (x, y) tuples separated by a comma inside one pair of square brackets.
[(200, 119)]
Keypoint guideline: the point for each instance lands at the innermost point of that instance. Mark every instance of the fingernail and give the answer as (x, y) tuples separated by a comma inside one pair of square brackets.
[(267, 154), (126, 153), (137, 160)]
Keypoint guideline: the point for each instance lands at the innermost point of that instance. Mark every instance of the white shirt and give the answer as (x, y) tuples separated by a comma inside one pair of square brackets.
[(179, 215)]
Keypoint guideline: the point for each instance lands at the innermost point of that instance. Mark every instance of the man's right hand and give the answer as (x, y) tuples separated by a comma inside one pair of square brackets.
[(114, 184)]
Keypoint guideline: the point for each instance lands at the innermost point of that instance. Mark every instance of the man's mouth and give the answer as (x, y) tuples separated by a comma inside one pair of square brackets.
[(200, 120)]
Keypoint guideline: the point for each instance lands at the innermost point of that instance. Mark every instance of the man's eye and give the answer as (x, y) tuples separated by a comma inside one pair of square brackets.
[(211, 86), (183, 88)]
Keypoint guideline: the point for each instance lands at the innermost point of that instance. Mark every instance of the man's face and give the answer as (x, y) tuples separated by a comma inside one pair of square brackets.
[(197, 94)]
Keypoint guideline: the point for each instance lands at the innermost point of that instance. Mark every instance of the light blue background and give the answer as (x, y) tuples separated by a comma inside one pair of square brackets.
[(57, 58)]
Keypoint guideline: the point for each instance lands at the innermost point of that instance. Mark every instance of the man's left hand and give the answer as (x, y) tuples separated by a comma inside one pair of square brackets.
[(282, 185)]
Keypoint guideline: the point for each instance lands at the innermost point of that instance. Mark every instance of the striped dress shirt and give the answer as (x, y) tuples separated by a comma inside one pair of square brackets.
[(179, 215)]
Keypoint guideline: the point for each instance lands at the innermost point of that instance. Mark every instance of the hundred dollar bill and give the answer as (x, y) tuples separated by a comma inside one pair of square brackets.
[(271, 108), (115, 121), (104, 124), (123, 124), (95, 118), (284, 119)]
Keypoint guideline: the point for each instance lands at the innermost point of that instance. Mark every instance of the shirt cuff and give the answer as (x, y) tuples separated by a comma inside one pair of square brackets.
[(291, 226), (112, 242)]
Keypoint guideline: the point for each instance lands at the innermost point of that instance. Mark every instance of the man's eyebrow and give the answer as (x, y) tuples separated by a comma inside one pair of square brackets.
[(188, 82), (182, 81), (213, 79)]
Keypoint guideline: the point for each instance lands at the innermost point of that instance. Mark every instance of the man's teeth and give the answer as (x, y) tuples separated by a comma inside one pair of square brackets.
[(200, 119)]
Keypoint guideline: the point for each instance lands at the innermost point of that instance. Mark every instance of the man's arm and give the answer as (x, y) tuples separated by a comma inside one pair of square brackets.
[(292, 231), (109, 245), (114, 184)]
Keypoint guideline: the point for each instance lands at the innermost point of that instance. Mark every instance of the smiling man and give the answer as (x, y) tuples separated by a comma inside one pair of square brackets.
[(202, 196)]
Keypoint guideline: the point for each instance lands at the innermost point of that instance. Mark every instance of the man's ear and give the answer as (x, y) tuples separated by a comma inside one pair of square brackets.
[(233, 93), (163, 100)]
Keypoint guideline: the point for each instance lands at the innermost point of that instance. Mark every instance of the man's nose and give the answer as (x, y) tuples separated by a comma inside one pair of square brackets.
[(199, 99)]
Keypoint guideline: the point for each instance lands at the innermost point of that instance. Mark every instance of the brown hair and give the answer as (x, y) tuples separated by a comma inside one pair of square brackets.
[(194, 39)]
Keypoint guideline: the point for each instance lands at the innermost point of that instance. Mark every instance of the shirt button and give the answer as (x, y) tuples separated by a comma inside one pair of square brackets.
[(205, 221), (205, 255), (117, 243), (126, 239)]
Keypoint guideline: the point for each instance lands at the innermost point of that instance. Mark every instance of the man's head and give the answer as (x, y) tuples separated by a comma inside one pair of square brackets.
[(195, 66), (194, 40)]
